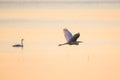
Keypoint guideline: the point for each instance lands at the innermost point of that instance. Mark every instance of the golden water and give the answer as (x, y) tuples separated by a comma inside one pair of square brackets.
[(97, 58)]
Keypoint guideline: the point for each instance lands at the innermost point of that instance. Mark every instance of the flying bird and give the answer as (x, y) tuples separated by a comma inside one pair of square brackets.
[(71, 39), (19, 45)]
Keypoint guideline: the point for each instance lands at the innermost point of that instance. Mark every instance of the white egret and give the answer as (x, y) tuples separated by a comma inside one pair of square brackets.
[(71, 40)]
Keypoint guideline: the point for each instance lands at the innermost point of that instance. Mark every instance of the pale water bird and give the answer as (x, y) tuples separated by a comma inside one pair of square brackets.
[(19, 45), (71, 40)]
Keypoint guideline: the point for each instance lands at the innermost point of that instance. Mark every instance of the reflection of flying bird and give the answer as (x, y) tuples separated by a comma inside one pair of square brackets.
[(71, 40), (19, 45)]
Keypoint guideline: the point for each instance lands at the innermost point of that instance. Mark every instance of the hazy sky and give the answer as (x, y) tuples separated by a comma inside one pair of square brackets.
[(61, 0)]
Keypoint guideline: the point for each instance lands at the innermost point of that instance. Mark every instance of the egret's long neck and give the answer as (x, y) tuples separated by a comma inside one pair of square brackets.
[(62, 44)]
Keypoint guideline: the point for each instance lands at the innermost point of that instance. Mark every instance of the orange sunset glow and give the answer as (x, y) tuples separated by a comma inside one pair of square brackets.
[(41, 24)]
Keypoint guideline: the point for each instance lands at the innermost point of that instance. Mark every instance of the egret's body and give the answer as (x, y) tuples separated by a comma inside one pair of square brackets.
[(19, 45), (71, 40)]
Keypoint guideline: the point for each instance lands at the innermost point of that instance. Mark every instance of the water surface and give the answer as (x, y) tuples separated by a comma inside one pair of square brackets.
[(41, 24)]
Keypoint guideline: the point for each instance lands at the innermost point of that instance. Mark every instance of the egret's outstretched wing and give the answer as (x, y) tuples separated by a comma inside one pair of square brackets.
[(67, 34), (75, 37)]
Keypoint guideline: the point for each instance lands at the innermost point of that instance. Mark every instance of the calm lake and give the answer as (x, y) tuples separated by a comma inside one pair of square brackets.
[(41, 26)]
